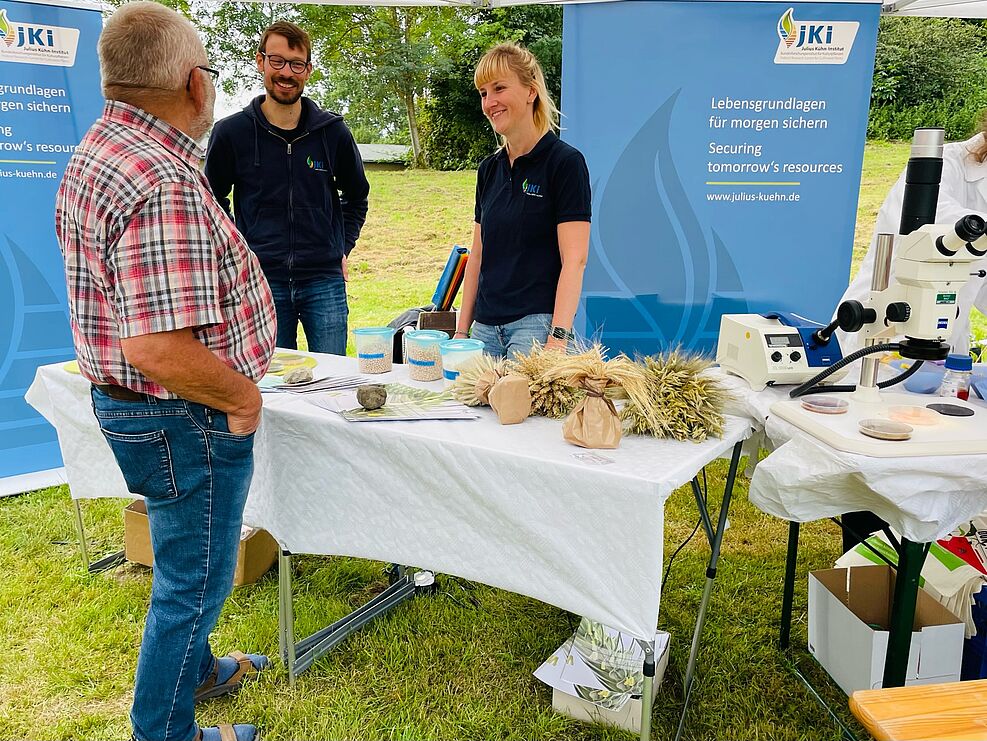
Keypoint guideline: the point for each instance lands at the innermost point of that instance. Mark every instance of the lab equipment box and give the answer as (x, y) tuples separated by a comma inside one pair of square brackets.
[(258, 550), (628, 717), (849, 613)]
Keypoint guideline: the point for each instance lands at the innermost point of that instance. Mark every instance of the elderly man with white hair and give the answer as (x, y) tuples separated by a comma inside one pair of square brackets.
[(173, 323)]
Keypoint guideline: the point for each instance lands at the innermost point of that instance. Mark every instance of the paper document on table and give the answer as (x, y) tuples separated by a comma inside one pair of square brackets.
[(329, 383), (403, 404), (600, 665)]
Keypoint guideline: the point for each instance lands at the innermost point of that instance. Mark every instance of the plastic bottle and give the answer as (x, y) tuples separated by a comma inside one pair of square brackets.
[(959, 373)]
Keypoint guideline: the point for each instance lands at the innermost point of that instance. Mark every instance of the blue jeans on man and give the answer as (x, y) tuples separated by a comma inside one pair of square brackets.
[(194, 475), (320, 305), (504, 340)]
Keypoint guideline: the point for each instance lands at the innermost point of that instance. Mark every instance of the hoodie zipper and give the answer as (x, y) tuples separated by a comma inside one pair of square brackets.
[(291, 200)]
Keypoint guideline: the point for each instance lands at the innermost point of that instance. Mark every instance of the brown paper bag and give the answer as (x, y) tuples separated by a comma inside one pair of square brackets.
[(511, 399), (594, 422), (484, 384)]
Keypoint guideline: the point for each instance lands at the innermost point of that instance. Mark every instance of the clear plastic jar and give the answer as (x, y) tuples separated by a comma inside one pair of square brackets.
[(423, 355), (959, 373), (374, 347)]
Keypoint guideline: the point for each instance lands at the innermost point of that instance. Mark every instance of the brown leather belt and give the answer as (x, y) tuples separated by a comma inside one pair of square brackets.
[(119, 393)]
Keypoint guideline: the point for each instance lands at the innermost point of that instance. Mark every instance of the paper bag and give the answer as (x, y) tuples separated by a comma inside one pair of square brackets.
[(511, 399), (484, 384), (594, 422)]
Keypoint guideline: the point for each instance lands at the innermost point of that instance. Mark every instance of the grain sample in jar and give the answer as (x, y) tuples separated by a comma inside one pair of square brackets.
[(422, 353), (374, 348)]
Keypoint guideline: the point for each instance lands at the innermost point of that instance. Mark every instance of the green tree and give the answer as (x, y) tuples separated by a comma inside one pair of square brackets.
[(928, 72), (377, 59), (454, 131)]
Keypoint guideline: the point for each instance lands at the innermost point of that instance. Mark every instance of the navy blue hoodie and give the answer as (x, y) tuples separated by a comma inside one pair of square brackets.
[(300, 204)]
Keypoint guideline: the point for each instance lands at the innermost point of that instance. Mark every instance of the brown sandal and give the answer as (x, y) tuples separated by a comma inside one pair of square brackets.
[(244, 671)]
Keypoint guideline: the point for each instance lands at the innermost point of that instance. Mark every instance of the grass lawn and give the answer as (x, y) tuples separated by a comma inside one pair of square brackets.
[(456, 666)]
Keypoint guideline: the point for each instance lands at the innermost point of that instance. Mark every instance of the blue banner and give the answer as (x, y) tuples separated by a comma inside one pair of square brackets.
[(49, 96), (724, 142)]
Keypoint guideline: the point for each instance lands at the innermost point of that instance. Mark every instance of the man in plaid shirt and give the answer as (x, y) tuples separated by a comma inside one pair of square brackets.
[(173, 322)]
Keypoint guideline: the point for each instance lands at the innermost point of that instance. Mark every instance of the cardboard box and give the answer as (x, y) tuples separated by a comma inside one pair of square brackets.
[(442, 320), (844, 607), (628, 717), (258, 551)]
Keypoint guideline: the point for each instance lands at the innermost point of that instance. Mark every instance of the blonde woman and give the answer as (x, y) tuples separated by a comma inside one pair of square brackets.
[(532, 214)]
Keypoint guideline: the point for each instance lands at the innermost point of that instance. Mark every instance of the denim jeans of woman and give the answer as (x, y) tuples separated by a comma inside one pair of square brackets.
[(320, 305), (516, 337), (194, 475)]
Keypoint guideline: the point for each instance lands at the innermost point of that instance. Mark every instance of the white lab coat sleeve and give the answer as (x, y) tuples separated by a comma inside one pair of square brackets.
[(954, 203)]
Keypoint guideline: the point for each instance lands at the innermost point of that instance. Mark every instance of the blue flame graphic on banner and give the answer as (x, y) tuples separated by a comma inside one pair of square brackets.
[(50, 72), (725, 166)]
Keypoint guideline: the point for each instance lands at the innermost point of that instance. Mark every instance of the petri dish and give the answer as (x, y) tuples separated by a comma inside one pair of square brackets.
[(885, 429), (825, 404), (912, 415), (951, 410)]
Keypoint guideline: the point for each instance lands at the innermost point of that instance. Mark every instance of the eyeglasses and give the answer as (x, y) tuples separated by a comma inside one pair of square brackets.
[(277, 62), (210, 70)]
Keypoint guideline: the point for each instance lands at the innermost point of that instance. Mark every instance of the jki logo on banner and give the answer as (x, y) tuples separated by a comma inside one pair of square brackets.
[(31, 43), (814, 42)]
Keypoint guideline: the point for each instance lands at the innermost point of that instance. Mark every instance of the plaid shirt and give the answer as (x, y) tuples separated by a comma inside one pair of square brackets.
[(148, 249)]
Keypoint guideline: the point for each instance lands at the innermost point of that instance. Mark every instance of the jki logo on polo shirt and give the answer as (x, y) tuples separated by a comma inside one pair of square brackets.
[(317, 165), (530, 189)]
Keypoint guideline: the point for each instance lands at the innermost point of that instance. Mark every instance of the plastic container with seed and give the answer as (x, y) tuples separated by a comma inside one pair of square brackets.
[(456, 354), (374, 346), (423, 354)]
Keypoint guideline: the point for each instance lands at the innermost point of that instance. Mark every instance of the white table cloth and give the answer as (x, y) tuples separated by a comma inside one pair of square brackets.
[(513, 507), (922, 497)]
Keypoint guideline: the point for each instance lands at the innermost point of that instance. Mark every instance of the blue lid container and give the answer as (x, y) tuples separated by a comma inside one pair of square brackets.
[(959, 362)]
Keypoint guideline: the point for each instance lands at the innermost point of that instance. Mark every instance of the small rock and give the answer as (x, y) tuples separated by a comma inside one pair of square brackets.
[(371, 396), (298, 375)]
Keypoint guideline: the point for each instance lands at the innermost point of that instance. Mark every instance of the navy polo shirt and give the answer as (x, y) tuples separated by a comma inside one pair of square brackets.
[(518, 210)]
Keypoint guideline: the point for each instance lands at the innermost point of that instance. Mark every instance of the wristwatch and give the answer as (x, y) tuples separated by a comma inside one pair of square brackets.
[(561, 333)]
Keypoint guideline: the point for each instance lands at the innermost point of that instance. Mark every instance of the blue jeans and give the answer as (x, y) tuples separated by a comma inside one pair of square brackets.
[(320, 304), (193, 474), (517, 337)]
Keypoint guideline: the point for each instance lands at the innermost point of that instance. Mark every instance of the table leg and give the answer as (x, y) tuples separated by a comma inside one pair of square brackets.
[(106, 562), (80, 529), (286, 615), (910, 560), (648, 690), (714, 559), (791, 560)]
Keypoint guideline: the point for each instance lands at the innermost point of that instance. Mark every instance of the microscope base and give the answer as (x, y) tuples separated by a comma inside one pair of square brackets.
[(949, 436)]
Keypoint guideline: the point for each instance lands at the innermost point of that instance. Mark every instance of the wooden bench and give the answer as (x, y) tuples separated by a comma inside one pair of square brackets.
[(932, 712)]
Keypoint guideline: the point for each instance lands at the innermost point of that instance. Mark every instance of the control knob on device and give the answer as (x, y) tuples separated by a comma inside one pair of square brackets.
[(899, 311)]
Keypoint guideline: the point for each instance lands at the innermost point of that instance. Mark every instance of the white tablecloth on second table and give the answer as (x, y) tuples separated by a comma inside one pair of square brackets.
[(513, 507), (922, 497)]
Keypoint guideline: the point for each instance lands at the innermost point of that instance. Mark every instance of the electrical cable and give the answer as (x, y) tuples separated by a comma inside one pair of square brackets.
[(671, 559), (842, 363), (910, 371)]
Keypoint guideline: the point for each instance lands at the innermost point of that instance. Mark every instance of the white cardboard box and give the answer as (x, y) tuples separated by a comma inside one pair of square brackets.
[(628, 717), (845, 604)]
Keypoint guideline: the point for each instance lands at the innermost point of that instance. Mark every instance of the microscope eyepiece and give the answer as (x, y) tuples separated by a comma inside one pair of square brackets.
[(966, 231), (970, 228)]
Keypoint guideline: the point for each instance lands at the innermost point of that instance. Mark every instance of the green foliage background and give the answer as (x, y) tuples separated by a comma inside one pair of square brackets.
[(405, 75), (928, 72)]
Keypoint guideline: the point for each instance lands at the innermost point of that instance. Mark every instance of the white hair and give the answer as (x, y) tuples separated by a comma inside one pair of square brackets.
[(145, 49)]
